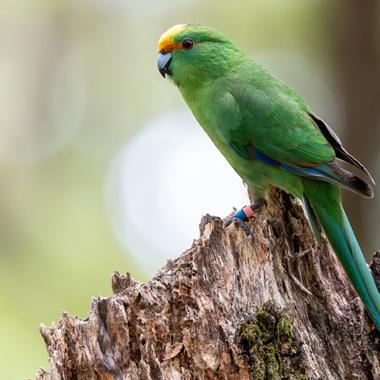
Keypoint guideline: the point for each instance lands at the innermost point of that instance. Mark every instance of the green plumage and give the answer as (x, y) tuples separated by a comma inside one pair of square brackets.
[(271, 137)]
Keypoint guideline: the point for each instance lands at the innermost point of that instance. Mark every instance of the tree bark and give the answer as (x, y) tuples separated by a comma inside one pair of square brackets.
[(230, 307)]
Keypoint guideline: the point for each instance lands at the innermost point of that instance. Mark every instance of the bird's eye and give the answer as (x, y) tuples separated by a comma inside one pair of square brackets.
[(188, 44)]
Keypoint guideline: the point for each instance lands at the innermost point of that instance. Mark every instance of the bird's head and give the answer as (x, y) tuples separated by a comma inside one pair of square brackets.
[(194, 54)]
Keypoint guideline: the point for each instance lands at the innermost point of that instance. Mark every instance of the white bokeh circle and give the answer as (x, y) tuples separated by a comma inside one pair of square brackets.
[(162, 182)]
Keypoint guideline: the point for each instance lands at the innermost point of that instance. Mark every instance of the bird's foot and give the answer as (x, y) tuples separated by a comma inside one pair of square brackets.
[(240, 222), (243, 215)]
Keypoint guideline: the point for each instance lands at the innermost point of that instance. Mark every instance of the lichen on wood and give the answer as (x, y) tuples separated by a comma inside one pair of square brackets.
[(271, 345), (230, 307)]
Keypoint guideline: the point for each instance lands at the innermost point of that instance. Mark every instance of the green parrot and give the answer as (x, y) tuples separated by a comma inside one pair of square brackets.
[(270, 136)]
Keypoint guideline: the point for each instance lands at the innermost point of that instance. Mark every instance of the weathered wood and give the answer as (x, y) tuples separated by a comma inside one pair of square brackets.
[(227, 308)]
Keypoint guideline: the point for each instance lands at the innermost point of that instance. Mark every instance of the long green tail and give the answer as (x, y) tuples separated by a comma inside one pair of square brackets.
[(325, 200)]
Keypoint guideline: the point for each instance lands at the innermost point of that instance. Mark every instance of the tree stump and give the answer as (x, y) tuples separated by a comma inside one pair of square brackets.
[(231, 307)]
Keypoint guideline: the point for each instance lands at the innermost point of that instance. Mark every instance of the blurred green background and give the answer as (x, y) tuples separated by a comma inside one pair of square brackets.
[(78, 80)]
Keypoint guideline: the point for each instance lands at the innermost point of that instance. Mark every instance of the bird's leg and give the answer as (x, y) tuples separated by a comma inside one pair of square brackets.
[(243, 215)]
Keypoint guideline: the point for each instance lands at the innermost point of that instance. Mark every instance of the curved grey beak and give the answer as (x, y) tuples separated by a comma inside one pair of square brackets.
[(163, 63)]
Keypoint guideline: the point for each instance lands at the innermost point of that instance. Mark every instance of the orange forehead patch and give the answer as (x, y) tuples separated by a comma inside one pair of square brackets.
[(166, 42)]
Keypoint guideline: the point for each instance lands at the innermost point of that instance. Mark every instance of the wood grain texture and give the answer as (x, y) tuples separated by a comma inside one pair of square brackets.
[(227, 308)]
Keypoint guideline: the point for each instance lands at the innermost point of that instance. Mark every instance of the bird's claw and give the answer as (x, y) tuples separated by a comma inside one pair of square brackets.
[(243, 215), (241, 223)]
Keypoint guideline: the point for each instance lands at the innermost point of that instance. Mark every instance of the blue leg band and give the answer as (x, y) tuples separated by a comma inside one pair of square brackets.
[(240, 214)]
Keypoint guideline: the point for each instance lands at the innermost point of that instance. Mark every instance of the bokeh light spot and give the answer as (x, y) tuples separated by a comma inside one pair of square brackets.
[(162, 182)]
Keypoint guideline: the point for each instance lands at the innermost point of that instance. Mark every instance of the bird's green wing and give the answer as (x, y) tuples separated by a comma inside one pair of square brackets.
[(273, 125), (277, 124)]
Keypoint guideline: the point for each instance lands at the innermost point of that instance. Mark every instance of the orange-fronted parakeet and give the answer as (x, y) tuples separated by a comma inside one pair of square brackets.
[(270, 136)]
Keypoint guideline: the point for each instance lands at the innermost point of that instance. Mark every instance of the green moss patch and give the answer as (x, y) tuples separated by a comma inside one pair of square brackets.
[(273, 351)]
